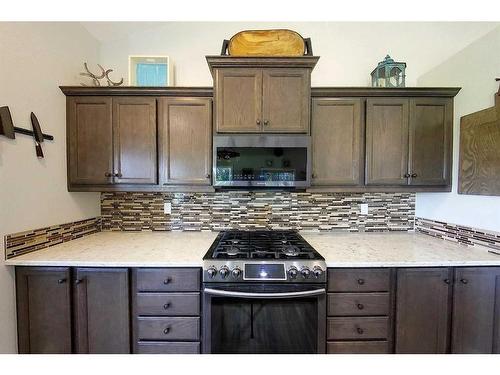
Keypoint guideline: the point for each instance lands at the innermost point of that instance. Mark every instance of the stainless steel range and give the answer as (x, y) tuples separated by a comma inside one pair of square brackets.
[(264, 292), (265, 256)]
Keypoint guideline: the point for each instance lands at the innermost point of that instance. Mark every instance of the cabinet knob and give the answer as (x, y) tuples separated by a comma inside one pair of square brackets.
[(108, 174), (313, 175), (406, 175), (413, 175), (207, 175), (361, 281), (360, 306), (258, 122), (266, 122), (166, 330), (118, 175), (464, 281), (166, 306), (360, 330), (167, 280), (61, 281), (78, 281), (446, 281)]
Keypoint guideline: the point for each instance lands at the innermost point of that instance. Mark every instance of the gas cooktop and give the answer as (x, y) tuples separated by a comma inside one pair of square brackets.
[(262, 255)]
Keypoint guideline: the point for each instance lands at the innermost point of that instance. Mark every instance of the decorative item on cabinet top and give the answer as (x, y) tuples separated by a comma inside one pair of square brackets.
[(389, 73), (8, 129), (479, 154), (267, 43), (96, 78)]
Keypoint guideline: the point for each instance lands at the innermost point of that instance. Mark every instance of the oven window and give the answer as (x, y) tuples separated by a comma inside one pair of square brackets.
[(264, 326), (266, 164)]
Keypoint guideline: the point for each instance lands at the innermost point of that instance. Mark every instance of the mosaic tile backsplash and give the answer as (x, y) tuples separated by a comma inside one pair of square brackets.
[(258, 210), (459, 233), (32, 240)]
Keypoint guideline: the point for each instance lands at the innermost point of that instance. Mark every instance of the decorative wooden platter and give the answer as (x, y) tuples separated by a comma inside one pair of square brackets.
[(278, 42)]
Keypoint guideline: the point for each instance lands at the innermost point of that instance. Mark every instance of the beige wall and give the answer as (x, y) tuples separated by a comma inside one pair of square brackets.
[(349, 51), (35, 58), (474, 69)]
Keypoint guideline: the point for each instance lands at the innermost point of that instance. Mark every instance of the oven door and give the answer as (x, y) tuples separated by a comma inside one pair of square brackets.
[(264, 318)]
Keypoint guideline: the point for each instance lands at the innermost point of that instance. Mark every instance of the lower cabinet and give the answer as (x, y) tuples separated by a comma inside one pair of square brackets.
[(360, 311), (423, 310), (166, 310), (476, 310), (43, 310), (97, 321)]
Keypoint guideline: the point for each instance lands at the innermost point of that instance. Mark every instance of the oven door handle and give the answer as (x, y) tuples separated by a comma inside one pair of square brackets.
[(227, 293)]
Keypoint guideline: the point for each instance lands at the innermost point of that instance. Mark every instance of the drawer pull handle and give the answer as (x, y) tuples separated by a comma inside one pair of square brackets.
[(360, 306), (166, 306), (61, 281), (361, 281), (464, 281), (166, 330), (446, 281), (167, 280), (360, 330)]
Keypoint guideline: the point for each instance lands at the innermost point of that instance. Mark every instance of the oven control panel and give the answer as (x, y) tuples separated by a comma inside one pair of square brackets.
[(235, 271)]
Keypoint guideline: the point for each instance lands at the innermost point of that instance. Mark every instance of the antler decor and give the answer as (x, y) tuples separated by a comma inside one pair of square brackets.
[(96, 78)]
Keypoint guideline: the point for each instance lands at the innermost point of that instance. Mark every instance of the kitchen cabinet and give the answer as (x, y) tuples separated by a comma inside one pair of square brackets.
[(134, 140), (408, 141), (337, 130), (101, 310), (111, 140), (476, 310), (423, 310), (89, 140), (262, 95), (185, 141), (91, 318), (166, 310), (43, 310)]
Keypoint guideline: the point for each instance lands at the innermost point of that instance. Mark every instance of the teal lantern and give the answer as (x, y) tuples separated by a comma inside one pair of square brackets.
[(389, 73)]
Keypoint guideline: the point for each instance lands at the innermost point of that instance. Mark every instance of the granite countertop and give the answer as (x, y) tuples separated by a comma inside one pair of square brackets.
[(186, 249)]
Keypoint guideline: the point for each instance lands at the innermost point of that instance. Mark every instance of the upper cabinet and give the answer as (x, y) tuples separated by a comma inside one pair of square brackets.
[(185, 141), (262, 95), (337, 138), (111, 140), (408, 141)]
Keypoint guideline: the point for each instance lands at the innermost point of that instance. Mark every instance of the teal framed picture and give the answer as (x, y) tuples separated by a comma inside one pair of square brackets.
[(153, 71)]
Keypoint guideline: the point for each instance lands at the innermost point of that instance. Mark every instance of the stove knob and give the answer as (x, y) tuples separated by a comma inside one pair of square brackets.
[(292, 272), (212, 271), (317, 271), (224, 271), (236, 272), (305, 272)]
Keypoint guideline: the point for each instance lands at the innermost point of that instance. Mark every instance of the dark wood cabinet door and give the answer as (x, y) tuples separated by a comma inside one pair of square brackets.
[(423, 310), (238, 98), (386, 141), (185, 141), (43, 310), (101, 310), (89, 140), (337, 138), (431, 127), (134, 140), (476, 310), (286, 100)]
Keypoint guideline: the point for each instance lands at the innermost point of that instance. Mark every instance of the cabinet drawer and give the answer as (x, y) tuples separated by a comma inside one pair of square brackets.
[(168, 279), (168, 304), (160, 347), (357, 328), (359, 280), (358, 347), (349, 304), (185, 328)]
